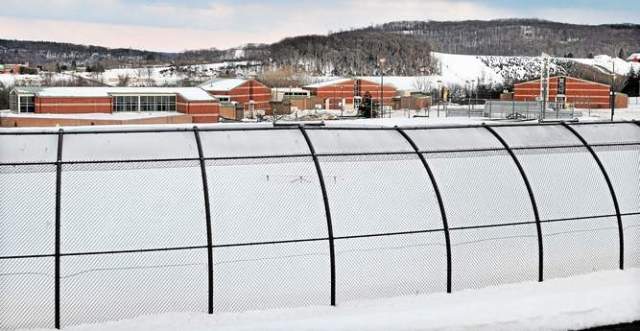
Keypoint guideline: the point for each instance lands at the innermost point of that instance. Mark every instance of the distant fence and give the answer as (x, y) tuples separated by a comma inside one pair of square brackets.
[(527, 110), (104, 225)]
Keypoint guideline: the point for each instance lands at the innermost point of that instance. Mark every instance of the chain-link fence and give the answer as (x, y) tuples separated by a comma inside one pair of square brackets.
[(512, 109), (104, 225)]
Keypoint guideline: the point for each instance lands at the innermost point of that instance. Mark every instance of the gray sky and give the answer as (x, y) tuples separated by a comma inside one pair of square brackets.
[(173, 25)]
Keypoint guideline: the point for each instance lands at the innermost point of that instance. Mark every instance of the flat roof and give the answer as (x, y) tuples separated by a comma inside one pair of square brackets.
[(328, 83), (188, 93), (222, 84)]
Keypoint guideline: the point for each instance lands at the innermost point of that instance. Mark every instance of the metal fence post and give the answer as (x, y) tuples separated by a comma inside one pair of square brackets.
[(609, 184), (532, 198), (327, 211), (207, 211), (57, 230), (436, 189)]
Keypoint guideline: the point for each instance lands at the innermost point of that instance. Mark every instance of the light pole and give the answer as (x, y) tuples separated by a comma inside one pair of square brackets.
[(613, 91), (382, 61), (440, 96)]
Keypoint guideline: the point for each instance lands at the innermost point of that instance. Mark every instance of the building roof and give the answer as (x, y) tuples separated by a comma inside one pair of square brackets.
[(369, 79), (188, 93), (222, 84), (27, 89), (328, 83), (552, 77), (288, 89)]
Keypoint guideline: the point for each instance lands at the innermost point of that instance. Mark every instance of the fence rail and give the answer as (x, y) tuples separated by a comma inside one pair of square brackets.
[(101, 225)]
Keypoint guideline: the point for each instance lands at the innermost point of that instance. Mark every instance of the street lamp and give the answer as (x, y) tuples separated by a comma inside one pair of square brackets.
[(382, 61)]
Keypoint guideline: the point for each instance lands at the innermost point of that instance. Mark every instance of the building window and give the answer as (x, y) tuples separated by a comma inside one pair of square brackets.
[(27, 104), (144, 103), (172, 103)]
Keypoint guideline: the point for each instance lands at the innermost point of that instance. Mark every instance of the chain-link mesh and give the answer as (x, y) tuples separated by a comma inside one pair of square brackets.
[(278, 198), (434, 140), (142, 205), (129, 146), (28, 148), (27, 205), (357, 141), (571, 190), (116, 286), (493, 256), (26, 293), (271, 276), (485, 189), (379, 194), (631, 226), (253, 143), (134, 233), (385, 266)]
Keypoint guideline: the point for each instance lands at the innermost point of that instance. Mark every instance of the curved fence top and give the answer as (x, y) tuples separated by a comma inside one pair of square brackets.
[(110, 223)]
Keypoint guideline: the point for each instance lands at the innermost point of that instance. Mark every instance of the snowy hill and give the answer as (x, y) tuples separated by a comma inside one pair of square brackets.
[(454, 70)]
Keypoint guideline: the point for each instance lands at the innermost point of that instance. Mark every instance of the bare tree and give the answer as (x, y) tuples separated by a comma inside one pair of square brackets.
[(423, 84), (123, 80)]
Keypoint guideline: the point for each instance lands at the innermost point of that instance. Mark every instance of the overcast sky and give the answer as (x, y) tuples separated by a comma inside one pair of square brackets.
[(175, 25)]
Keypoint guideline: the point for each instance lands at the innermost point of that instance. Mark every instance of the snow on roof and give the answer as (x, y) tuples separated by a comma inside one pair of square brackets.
[(328, 83), (634, 57), (224, 84), (558, 76), (188, 93), (27, 89), (95, 116)]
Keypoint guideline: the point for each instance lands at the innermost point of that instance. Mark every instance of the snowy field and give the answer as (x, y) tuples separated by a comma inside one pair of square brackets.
[(602, 298), (151, 205)]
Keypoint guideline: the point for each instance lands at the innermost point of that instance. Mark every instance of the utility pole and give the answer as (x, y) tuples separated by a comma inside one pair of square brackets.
[(382, 61), (544, 83)]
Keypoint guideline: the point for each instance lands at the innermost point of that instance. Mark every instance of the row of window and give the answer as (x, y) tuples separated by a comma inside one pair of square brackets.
[(144, 103)]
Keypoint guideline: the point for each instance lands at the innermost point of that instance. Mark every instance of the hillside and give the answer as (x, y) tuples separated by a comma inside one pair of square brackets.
[(521, 37), (405, 45)]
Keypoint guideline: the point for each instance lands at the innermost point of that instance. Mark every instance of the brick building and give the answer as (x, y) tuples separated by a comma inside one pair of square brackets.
[(349, 92), (15, 69), (193, 101), (249, 94), (570, 90)]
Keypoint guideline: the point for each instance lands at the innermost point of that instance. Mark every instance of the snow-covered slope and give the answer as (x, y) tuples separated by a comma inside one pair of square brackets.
[(454, 69), (607, 64)]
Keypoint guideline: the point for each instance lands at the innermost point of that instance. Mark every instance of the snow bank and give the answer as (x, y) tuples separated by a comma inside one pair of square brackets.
[(603, 298)]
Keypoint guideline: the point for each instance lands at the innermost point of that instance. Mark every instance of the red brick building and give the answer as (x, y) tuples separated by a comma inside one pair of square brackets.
[(344, 91), (569, 90), (249, 94), (192, 101)]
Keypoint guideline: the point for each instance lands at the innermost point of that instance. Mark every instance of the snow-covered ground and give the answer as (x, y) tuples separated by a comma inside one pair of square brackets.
[(602, 298)]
